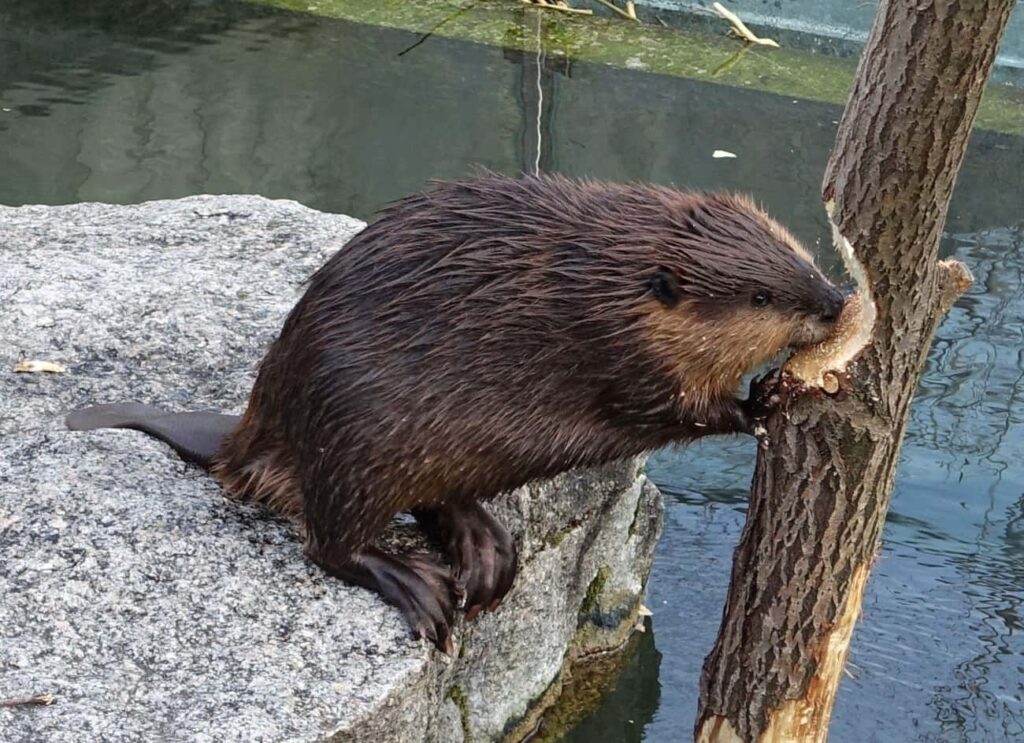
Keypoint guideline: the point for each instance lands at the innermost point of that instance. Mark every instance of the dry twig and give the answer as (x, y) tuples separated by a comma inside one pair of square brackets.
[(612, 6), (740, 28), (564, 8), (38, 700)]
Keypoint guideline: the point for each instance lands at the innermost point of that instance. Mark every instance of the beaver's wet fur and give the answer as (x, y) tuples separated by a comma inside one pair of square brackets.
[(490, 332)]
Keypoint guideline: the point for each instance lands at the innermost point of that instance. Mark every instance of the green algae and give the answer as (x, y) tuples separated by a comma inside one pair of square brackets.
[(666, 51), (461, 702), (592, 664), (594, 590)]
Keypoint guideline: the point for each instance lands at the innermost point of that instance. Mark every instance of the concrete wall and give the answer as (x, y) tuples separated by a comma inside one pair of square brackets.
[(839, 19)]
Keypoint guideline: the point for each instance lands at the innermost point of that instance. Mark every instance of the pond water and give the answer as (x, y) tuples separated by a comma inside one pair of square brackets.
[(129, 101)]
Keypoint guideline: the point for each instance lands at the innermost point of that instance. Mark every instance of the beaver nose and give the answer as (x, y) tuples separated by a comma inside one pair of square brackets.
[(831, 308)]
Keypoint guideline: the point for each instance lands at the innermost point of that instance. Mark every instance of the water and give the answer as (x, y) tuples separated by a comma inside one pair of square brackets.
[(127, 101)]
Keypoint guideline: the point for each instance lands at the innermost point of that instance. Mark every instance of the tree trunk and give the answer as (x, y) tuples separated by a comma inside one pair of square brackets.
[(825, 465)]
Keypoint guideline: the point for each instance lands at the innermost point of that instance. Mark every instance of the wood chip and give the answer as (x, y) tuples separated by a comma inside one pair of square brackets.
[(34, 366)]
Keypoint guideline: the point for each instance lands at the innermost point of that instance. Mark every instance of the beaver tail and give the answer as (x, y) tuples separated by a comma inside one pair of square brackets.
[(196, 437)]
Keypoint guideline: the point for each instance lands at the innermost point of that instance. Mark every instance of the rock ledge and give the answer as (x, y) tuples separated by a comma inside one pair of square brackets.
[(152, 607)]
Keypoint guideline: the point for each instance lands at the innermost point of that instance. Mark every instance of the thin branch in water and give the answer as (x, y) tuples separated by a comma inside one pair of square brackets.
[(438, 25), (540, 97)]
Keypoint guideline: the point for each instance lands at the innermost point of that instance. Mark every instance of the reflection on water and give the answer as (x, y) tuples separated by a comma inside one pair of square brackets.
[(126, 101), (633, 700)]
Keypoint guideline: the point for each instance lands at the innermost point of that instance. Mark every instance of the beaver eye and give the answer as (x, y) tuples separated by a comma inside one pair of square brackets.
[(665, 287), (761, 299)]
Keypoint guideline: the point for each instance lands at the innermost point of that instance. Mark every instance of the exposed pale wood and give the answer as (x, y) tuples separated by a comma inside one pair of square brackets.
[(813, 364), (806, 718), (35, 366)]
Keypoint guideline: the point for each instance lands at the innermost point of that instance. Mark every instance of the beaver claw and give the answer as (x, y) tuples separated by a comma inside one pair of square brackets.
[(482, 552), (763, 397), (420, 588)]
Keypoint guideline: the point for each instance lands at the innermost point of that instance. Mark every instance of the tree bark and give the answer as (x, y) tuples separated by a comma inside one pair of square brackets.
[(826, 462)]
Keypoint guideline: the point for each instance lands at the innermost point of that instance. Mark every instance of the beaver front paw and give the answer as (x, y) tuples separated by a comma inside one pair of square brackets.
[(481, 551), (762, 398), (420, 588)]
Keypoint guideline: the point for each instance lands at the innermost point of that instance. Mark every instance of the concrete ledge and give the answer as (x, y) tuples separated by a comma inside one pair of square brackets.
[(152, 607)]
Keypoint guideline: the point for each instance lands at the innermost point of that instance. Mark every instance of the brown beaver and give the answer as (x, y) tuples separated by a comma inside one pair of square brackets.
[(488, 333)]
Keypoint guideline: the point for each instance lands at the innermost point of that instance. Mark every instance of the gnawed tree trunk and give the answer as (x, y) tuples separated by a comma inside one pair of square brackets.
[(825, 467)]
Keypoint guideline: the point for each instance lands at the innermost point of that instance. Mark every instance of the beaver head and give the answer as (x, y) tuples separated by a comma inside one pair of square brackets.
[(733, 288)]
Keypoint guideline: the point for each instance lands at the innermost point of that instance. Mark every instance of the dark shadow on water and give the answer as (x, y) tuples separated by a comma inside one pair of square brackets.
[(630, 704)]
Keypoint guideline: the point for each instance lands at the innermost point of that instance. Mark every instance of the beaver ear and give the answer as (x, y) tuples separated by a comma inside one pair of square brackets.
[(665, 287)]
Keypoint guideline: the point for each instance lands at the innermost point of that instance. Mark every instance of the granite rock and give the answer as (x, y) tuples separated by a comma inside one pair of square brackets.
[(152, 607)]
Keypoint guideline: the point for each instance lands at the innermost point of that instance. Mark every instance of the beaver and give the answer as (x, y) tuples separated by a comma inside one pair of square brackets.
[(486, 333)]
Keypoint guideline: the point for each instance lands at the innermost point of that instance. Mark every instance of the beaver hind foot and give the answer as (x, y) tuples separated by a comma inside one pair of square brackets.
[(421, 589), (195, 436), (482, 552)]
